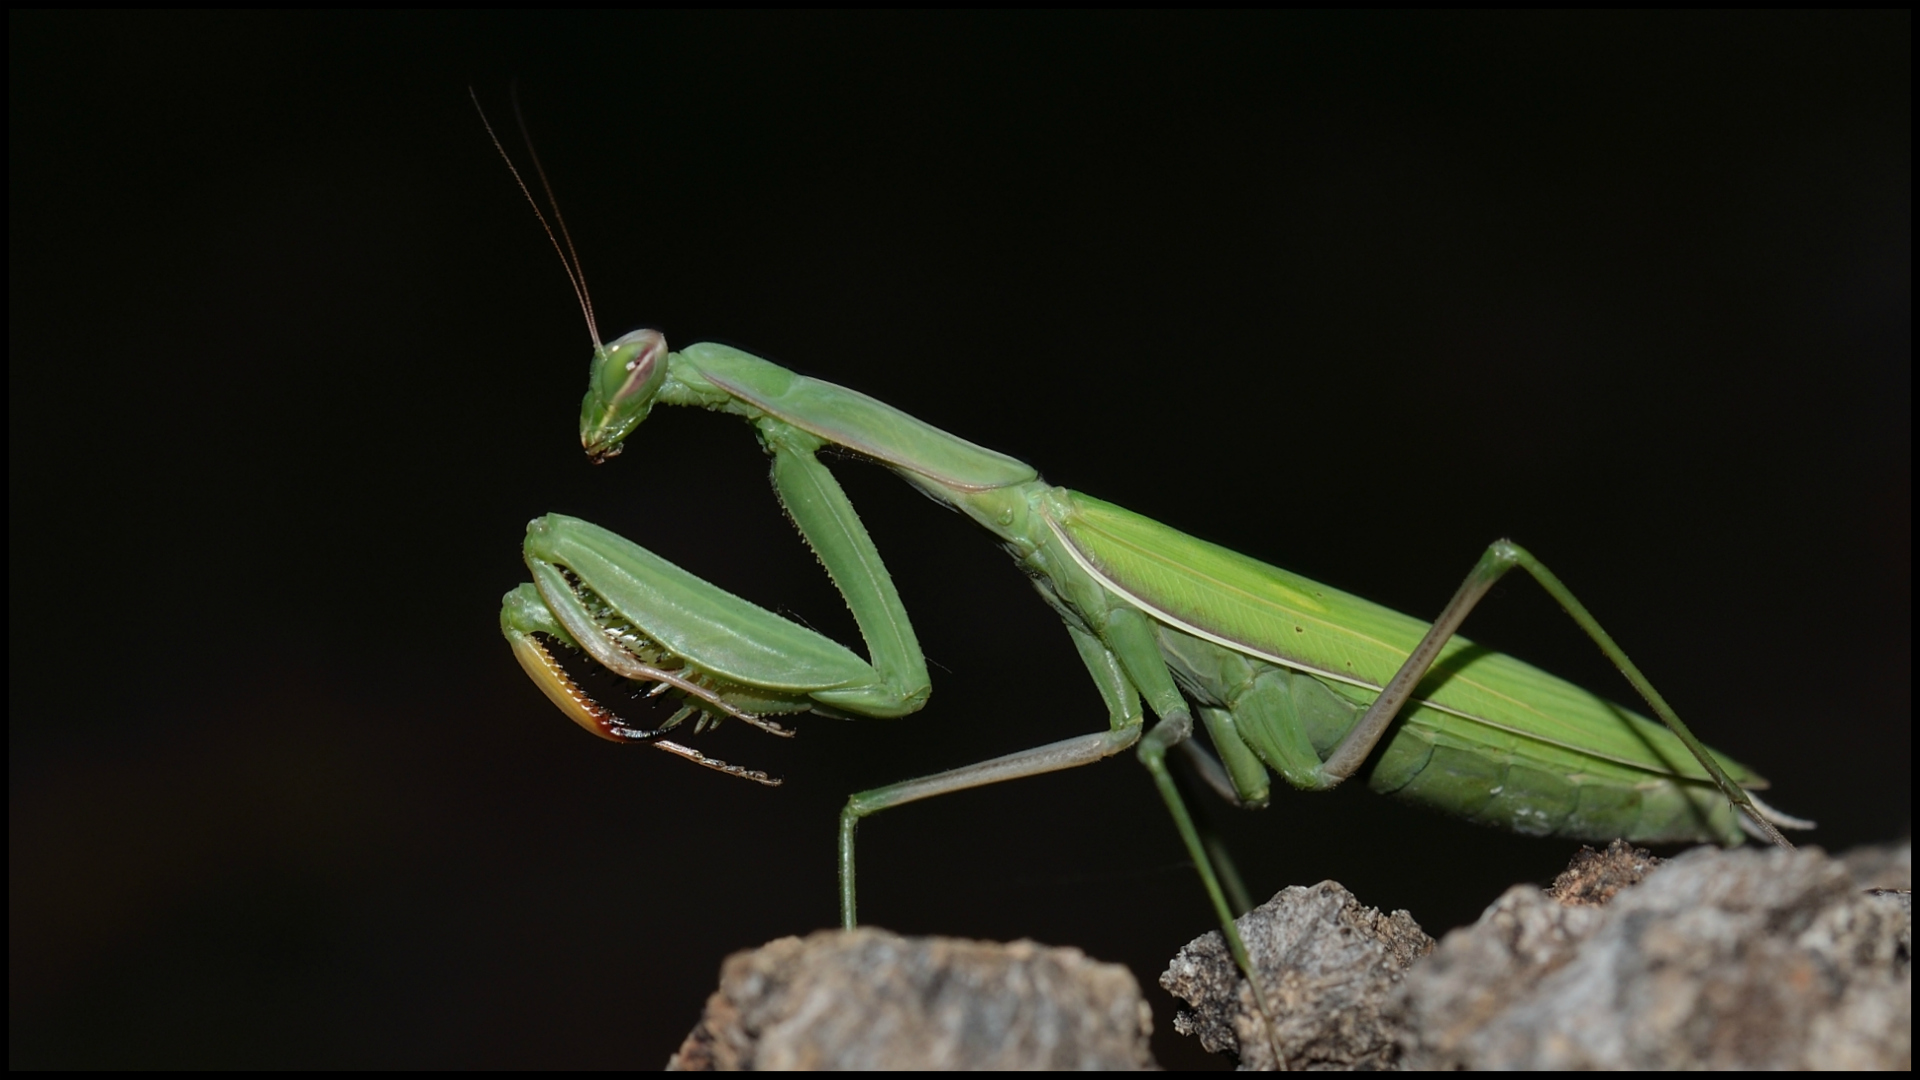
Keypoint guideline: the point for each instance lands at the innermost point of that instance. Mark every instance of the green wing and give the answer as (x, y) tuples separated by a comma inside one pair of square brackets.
[(1264, 611)]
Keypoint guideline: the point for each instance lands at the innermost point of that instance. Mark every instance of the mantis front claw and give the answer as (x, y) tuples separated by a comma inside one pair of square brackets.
[(647, 621), (558, 684)]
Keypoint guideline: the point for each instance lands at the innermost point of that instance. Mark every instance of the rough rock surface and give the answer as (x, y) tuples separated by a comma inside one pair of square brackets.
[(1595, 877), (1718, 960), (1333, 964), (1714, 960), (873, 1000)]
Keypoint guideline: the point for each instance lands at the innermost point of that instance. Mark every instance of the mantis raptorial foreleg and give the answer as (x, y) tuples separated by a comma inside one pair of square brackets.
[(648, 621), (820, 509)]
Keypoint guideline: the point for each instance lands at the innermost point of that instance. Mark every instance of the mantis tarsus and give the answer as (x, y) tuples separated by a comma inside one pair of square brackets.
[(1285, 674)]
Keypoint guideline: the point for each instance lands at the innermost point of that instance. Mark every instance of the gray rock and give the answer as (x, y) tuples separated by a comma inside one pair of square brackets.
[(1333, 965), (1717, 959), (874, 1000), (1753, 959)]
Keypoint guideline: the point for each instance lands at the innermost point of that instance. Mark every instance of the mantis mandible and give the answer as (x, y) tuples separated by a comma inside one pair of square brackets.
[(1286, 675)]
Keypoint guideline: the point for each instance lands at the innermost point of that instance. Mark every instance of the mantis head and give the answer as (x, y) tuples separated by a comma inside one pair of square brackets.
[(627, 374), (621, 387)]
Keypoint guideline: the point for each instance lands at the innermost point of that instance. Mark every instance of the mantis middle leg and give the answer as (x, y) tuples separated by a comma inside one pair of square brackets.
[(1124, 721), (1125, 662)]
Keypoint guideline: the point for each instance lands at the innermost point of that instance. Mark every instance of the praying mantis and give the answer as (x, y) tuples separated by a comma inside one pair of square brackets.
[(1286, 675)]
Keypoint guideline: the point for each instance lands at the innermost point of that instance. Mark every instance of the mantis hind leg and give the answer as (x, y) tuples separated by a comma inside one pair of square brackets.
[(1500, 557)]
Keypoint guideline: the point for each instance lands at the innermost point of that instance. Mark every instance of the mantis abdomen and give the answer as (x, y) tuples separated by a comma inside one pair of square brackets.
[(1457, 765)]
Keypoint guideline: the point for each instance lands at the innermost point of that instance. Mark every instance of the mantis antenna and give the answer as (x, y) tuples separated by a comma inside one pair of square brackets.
[(569, 255)]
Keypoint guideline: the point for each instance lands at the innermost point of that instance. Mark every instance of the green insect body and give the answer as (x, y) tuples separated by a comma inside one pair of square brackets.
[(1286, 674), (1279, 668), (1282, 667)]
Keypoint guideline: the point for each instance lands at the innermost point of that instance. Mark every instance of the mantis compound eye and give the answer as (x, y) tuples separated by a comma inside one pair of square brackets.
[(621, 388), (642, 357)]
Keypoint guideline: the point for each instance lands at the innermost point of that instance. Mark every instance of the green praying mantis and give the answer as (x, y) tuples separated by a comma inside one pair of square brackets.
[(1286, 675)]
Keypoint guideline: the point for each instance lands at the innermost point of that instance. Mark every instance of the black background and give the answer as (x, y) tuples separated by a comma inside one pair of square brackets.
[(292, 367)]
